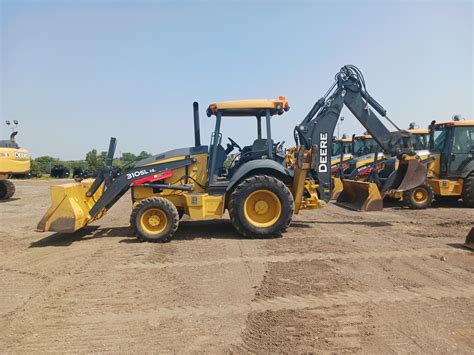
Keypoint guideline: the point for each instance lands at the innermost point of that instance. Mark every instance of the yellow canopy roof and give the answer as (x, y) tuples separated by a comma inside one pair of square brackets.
[(363, 136), (456, 123), (249, 107), (419, 131), (344, 140)]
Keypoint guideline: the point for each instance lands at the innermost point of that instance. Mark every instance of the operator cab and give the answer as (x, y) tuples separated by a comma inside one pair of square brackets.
[(420, 139), (363, 145), (454, 142), (341, 146), (221, 163)]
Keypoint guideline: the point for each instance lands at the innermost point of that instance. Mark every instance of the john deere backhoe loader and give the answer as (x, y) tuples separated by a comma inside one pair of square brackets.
[(367, 157), (13, 160), (260, 194)]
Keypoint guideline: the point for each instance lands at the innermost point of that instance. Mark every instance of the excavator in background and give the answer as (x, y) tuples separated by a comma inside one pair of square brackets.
[(260, 193), (13, 160)]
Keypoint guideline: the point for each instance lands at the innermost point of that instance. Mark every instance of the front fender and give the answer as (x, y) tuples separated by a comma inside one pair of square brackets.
[(260, 167)]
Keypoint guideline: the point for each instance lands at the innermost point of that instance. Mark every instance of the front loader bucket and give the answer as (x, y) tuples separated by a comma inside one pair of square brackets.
[(410, 174), (70, 207), (337, 188), (469, 243), (360, 196)]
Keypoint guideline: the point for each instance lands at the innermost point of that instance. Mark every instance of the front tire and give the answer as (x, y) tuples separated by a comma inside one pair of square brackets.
[(420, 197), (261, 206), (154, 219), (7, 189), (468, 191)]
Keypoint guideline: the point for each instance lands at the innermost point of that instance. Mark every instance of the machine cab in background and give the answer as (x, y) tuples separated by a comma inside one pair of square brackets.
[(453, 143), (221, 164)]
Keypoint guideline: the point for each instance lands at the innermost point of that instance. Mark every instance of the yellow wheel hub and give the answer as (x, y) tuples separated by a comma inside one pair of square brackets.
[(420, 195), (154, 221), (262, 208)]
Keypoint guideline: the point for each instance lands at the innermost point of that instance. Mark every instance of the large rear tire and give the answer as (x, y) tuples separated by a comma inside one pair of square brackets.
[(468, 191), (261, 206), (7, 189), (154, 219), (419, 198)]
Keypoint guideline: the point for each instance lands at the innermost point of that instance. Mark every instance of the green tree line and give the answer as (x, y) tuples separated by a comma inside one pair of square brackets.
[(92, 162)]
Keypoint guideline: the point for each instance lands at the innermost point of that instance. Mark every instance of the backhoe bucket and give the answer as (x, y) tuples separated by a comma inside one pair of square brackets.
[(336, 188), (410, 174), (70, 207), (469, 243), (360, 196)]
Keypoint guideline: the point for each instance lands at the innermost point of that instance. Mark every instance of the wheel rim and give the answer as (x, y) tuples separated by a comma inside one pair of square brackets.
[(262, 208), (420, 195), (154, 221)]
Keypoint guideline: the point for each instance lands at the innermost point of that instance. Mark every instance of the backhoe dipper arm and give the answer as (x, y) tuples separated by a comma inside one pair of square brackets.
[(317, 129)]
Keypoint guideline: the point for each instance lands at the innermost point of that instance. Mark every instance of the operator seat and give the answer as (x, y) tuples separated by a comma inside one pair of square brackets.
[(388, 169), (258, 150)]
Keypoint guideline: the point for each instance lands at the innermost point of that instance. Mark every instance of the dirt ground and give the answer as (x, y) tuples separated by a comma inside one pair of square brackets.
[(338, 281)]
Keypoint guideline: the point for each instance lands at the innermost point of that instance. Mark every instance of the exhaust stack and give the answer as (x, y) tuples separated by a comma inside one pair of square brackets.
[(197, 130)]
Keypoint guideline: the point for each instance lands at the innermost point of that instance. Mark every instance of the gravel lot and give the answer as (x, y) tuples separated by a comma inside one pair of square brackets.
[(338, 281)]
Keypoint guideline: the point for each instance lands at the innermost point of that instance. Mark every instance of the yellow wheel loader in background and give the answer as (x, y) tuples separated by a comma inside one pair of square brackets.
[(260, 193), (13, 160)]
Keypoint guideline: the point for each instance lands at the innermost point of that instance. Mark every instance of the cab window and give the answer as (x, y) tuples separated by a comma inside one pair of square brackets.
[(463, 140), (440, 139), (419, 141)]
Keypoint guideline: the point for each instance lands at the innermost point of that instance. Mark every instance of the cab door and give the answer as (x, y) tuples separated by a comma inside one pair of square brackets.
[(462, 149)]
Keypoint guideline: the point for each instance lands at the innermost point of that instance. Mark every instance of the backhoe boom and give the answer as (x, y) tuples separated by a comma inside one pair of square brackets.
[(317, 129)]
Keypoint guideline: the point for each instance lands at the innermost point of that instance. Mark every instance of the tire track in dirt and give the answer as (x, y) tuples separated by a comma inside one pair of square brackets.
[(297, 257), (328, 330), (292, 302), (448, 331)]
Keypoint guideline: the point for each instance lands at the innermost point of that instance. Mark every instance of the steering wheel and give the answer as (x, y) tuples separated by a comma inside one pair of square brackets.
[(234, 144)]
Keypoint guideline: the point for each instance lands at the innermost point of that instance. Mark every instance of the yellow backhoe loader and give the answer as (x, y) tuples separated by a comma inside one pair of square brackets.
[(260, 193), (369, 158), (13, 160)]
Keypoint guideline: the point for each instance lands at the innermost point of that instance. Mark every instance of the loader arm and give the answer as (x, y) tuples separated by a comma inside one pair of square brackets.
[(317, 129), (75, 205)]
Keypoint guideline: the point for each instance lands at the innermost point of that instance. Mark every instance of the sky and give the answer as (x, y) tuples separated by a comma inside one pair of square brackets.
[(75, 73)]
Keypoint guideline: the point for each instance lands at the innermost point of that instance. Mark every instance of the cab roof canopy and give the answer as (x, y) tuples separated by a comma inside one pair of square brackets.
[(456, 123), (419, 131), (242, 108), (363, 136)]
